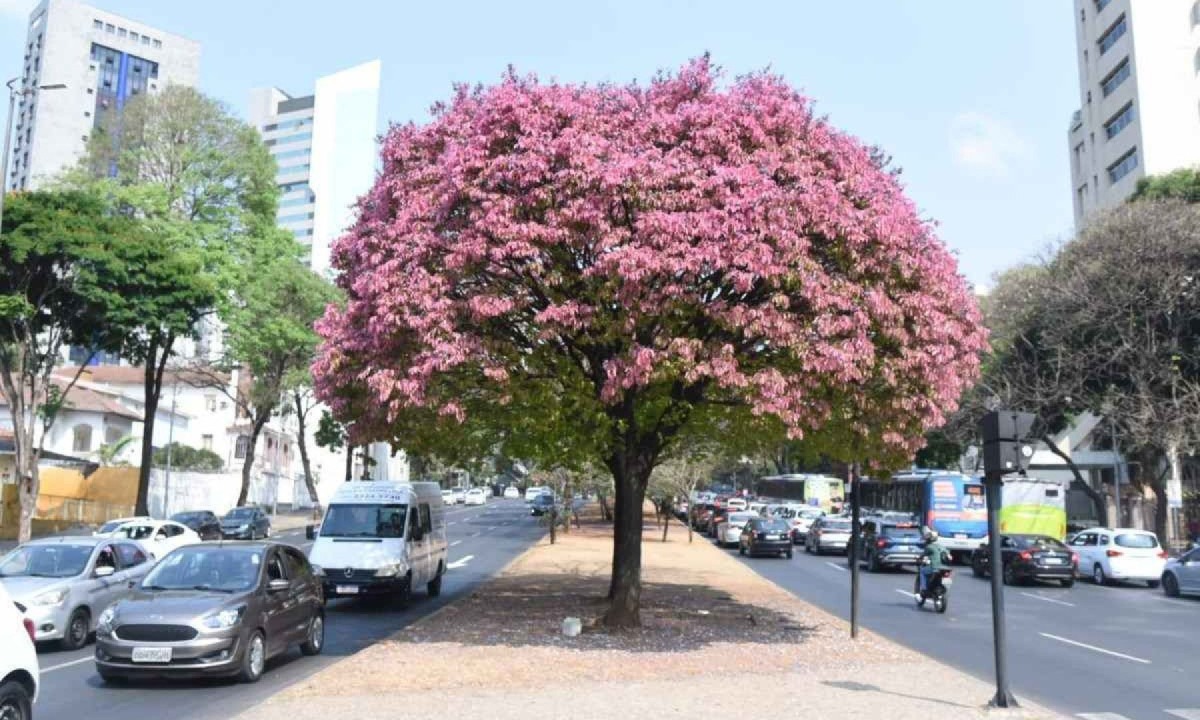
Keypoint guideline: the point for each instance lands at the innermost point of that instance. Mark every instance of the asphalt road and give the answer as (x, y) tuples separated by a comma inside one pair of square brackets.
[(1084, 651), (482, 541)]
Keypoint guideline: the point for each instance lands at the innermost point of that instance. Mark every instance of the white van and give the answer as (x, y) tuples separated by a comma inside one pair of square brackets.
[(381, 538), (533, 491)]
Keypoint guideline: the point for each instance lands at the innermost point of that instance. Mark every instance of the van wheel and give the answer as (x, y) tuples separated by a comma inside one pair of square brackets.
[(15, 703), (434, 586), (78, 628), (405, 594)]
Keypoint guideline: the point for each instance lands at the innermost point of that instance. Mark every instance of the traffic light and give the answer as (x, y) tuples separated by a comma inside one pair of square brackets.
[(1005, 450)]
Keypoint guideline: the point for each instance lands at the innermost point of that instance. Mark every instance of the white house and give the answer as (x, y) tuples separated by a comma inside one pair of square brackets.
[(89, 419)]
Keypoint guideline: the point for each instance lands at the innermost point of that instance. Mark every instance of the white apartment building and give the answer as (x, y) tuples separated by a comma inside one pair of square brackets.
[(103, 60), (1139, 87), (324, 145)]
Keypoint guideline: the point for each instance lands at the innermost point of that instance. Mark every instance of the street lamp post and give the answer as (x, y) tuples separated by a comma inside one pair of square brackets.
[(13, 92)]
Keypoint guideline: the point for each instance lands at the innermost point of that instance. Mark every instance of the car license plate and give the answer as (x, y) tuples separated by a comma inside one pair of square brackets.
[(960, 536), (1053, 561), (785, 537), (151, 655), (947, 581), (347, 589)]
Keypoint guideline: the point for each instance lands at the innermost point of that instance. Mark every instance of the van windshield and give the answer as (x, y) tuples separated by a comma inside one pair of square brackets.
[(370, 521)]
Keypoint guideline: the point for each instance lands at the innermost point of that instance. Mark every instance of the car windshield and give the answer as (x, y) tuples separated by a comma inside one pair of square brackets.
[(1137, 540), (198, 567), (188, 517), (836, 525), (240, 514), (742, 517), (373, 521), (58, 561), (137, 532), (775, 526), (1042, 543)]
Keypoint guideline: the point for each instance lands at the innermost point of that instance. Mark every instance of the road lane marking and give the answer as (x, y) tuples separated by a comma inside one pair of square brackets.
[(1093, 648), (1035, 596), (491, 528), (460, 563), (835, 566), (1185, 713), (456, 542), (1101, 716), (905, 593), (80, 661), (451, 523)]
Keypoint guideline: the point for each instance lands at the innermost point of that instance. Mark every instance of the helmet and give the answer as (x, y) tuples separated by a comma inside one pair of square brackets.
[(930, 535)]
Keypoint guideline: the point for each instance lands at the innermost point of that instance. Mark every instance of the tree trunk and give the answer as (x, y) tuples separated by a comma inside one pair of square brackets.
[(152, 377), (260, 420), (605, 513), (27, 471), (349, 462), (553, 522), (625, 591), (1098, 502), (666, 513), (302, 442)]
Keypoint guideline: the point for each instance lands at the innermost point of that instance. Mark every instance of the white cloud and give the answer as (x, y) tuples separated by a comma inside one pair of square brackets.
[(986, 145), (15, 8)]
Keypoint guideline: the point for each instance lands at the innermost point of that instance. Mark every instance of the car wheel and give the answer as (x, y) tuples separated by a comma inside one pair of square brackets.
[(1098, 575), (977, 568), (1010, 575), (1170, 585), (15, 702), (1152, 584), (77, 631), (315, 640), (254, 659), (434, 587), (788, 554)]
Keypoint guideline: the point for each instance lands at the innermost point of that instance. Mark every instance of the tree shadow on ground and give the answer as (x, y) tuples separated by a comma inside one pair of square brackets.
[(528, 610), (863, 687)]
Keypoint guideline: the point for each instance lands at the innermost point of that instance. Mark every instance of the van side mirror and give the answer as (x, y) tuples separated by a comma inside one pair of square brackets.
[(310, 532)]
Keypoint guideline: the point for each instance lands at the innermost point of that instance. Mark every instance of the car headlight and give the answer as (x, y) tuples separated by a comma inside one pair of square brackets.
[(54, 597), (243, 527), (389, 570), (224, 619), (104, 625)]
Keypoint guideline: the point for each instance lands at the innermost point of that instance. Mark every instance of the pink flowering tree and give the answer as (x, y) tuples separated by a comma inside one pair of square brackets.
[(589, 274)]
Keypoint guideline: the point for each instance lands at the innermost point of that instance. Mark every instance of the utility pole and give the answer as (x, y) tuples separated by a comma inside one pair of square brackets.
[(1004, 452)]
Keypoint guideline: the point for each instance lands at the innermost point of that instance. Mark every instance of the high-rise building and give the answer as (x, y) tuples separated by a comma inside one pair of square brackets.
[(1139, 96), (103, 60), (324, 145)]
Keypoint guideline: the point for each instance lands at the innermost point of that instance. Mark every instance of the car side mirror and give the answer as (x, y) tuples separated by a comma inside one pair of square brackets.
[(310, 532), (278, 585), (105, 570)]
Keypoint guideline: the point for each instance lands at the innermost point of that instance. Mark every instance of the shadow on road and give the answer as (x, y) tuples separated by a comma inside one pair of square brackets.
[(863, 687)]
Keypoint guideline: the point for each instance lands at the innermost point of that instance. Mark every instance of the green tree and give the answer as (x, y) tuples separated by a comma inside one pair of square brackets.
[(1182, 184), (57, 270), (186, 458), (333, 435), (201, 182)]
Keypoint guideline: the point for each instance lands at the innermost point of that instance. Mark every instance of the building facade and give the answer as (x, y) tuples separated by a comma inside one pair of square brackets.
[(324, 146), (1139, 90), (104, 60)]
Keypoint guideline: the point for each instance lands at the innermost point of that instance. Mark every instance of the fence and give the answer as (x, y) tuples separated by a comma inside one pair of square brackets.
[(217, 492), (79, 510)]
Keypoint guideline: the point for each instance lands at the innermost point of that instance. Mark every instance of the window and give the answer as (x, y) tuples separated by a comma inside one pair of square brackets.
[(133, 36), (210, 403), (1112, 34), (109, 28), (145, 39), (158, 43), (122, 32), (296, 201), (241, 447), (426, 521), (1101, 4), (1127, 164), (1078, 156), (303, 152), (298, 217), (414, 522), (1119, 122), (97, 25), (1113, 80), (297, 566), (1196, 14), (82, 438), (275, 570), (130, 555), (206, 442)]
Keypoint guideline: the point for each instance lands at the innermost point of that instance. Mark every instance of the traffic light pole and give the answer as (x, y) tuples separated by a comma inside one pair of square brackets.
[(993, 484)]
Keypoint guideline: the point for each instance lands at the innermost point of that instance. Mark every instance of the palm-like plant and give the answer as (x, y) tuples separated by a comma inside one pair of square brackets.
[(111, 451)]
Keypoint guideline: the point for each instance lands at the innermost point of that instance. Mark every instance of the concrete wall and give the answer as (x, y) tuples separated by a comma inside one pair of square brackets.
[(217, 492)]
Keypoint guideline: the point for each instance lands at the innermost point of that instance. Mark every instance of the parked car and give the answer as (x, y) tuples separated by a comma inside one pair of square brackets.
[(729, 530), (19, 676), (541, 504), (211, 610), (158, 537), (890, 545), (1107, 554), (110, 527), (1029, 557), (1181, 576), (204, 523), (762, 536), (66, 582), (245, 523), (699, 515), (476, 496), (512, 493), (828, 534)]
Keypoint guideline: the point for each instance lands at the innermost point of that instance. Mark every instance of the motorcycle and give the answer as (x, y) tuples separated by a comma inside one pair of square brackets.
[(937, 590)]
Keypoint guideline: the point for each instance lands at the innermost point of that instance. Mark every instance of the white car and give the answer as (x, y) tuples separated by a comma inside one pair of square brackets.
[(532, 492), (736, 504), (109, 529), (447, 497), (1107, 554), (729, 532), (801, 517), (512, 493), (476, 496), (19, 675), (459, 494), (159, 537)]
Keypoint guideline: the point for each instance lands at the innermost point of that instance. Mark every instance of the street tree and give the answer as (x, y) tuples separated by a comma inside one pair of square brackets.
[(1182, 184), (58, 261), (201, 181), (584, 270), (333, 435), (679, 477)]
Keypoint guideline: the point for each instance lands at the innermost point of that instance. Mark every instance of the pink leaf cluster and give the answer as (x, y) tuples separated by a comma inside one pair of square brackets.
[(684, 231)]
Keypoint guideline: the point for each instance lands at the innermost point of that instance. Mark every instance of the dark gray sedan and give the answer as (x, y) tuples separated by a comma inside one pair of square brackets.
[(245, 523), (214, 610)]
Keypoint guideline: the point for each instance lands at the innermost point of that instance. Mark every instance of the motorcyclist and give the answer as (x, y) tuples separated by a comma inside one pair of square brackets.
[(932, 559)]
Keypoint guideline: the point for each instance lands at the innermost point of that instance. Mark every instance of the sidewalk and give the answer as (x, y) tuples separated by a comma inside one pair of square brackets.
[(717, 638)]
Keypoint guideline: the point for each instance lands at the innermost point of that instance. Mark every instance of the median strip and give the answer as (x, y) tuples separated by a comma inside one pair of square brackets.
[(1093, 648)]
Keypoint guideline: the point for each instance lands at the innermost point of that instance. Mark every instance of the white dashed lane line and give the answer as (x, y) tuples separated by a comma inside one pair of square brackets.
[(60, 666), (1093, 648)]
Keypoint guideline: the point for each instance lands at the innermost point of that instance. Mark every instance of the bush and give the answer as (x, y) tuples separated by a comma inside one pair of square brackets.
[(187, 458)]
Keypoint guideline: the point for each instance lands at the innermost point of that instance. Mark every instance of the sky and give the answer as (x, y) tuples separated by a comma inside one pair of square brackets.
[(971, 99)]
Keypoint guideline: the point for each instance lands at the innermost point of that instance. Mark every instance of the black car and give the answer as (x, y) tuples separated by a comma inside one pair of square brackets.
[(541, 504), (206, 524), (213, 610), (890, 545), (762, 536), (245, 523), (1029, 557)]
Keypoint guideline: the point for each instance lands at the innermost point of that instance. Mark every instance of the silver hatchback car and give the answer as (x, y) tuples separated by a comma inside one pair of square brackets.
[(66, 582)]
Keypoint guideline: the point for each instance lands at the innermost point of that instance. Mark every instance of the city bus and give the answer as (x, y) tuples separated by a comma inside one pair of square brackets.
[(950, 503), (815, 490)]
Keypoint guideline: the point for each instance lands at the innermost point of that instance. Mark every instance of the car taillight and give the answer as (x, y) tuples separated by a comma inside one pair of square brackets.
[(1114, 553), (1075, 559), (1026, 555), (1163, 554), (30, 629), (881, 543)]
